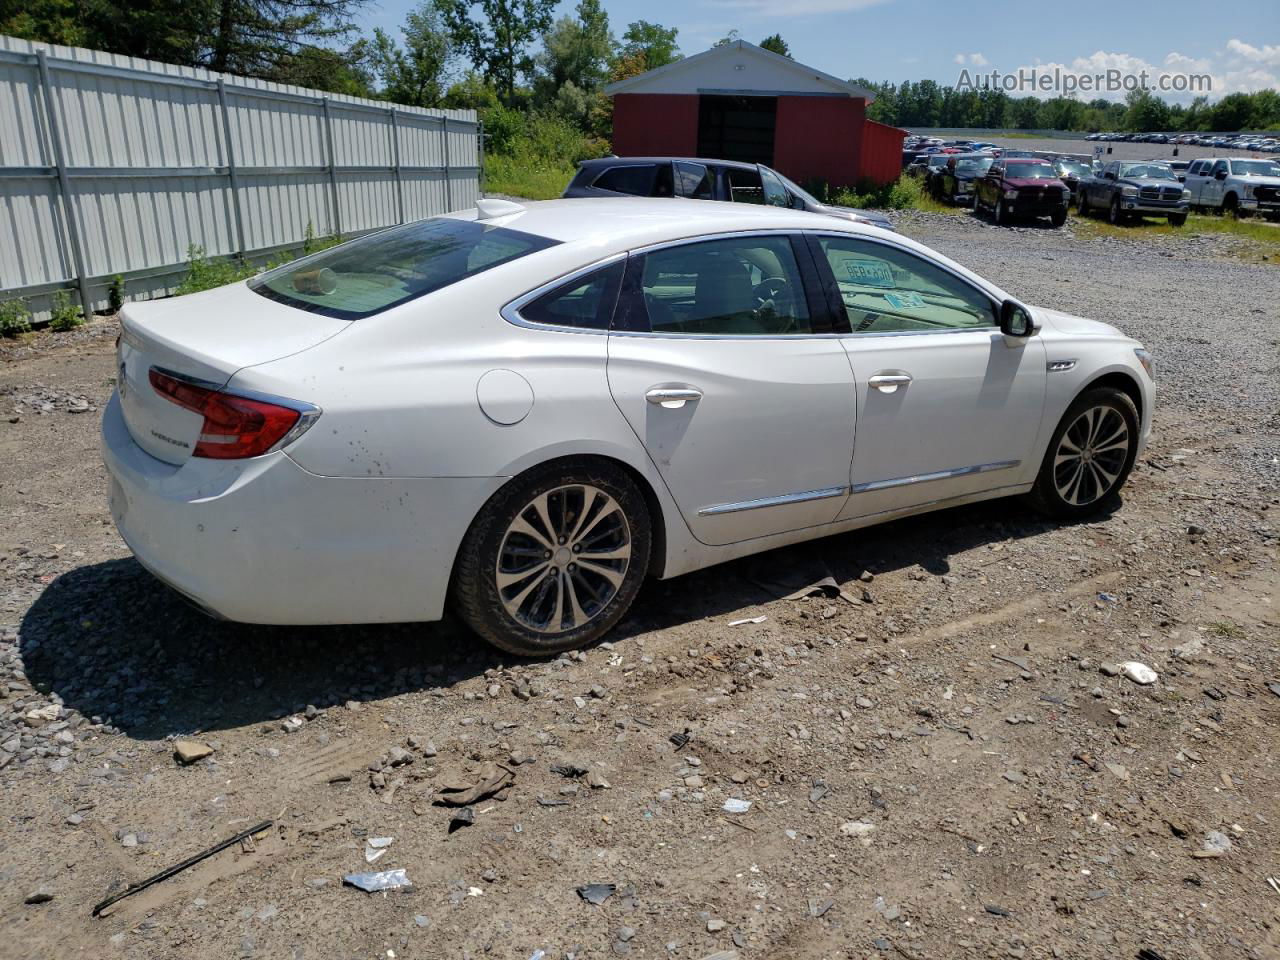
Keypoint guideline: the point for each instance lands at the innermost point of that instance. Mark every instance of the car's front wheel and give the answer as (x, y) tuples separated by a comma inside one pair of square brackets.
[(554, 559), (1058, 217), (1177, 219), (1116, 215), (1090, 455), (1002, 213), (1082, 202)]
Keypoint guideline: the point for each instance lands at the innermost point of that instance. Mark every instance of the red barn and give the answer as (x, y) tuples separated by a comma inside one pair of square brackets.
[(741, 102)]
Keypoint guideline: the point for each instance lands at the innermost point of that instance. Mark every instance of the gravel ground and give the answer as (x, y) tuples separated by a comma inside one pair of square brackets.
[(951, 768)]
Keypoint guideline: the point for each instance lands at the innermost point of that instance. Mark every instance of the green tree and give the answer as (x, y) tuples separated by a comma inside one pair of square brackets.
[(497, 42), (653, 44), (333, 70), (418, 73), (733, 36), (576, 50), (1145, 111), (253, 37), (775, 43)]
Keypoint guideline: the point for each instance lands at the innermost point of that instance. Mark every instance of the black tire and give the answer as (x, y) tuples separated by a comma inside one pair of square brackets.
[(1001, 214), (1058, 217), (1046, 496), (1114, 214), (1177, 219), (475, 593), (1082, 202)]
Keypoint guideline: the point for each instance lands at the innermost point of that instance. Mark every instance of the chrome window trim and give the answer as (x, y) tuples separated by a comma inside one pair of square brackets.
[(884, 242), (930, 477), (511, 310), (804, 496)]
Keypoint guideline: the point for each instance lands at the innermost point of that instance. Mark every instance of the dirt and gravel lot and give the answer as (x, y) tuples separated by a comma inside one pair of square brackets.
[(949, 768)]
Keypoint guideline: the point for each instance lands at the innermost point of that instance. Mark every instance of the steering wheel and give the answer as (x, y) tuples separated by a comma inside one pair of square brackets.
[(771, 288)]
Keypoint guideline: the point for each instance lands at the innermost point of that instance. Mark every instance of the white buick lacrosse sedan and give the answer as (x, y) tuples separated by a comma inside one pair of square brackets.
[(524, 410)]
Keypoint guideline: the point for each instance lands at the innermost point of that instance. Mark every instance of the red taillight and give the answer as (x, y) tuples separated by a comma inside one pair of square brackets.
[(234, 427)]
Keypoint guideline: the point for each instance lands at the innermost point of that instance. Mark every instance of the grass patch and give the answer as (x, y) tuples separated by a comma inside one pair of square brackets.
[(1223, 628), (525, 177), (1259, 240), (206, 273)]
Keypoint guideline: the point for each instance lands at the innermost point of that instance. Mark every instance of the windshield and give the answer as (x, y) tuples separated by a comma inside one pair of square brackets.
[(1257, 168), (1030, 170), (974, 167), (1074, 169), (1147, 171), (380, 271), (938, 160)]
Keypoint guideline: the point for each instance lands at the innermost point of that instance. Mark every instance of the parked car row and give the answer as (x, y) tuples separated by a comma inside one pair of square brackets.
[(1234, 141)]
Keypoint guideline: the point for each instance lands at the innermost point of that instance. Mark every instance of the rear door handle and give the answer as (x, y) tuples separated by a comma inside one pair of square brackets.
[(889, 382), (673, 398)]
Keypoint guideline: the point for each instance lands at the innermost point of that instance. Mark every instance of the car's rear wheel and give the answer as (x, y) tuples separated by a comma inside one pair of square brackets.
[(1090, 455), (554, 559)]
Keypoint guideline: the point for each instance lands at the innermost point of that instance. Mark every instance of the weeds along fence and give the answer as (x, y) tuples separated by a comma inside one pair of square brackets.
[(113, 166)]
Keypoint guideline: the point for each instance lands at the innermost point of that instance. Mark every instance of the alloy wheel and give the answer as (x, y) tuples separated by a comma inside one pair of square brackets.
[(563, 558), (1091, 455)]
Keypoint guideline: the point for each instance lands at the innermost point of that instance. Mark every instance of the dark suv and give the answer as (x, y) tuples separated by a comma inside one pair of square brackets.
[(698, 179)]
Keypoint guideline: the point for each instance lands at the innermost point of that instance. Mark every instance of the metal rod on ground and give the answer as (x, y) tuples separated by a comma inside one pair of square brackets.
[(64, 186), (333, 168), (231, 167), (179, 867), (395, 159)]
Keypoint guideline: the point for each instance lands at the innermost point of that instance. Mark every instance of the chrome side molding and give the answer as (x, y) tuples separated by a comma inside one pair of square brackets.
[(802, 497), (939, 475)]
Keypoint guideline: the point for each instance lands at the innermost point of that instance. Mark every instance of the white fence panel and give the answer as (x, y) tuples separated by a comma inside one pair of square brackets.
[(112, 165)]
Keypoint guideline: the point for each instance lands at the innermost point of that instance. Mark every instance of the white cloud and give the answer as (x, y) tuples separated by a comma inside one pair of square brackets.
[(1266, 54), (974, 59)]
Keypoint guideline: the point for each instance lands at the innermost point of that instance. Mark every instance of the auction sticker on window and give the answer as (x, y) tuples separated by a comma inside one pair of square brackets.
[(905, 301), (870, 273)]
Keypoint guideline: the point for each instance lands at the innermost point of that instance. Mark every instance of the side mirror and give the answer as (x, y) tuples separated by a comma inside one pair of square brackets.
[(1015, 320), (1220, 175)]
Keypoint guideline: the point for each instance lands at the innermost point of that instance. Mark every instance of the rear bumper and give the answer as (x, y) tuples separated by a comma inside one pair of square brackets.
[(264, 541)]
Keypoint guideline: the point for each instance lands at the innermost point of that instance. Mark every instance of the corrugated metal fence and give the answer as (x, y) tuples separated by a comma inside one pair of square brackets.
[(111, 165)]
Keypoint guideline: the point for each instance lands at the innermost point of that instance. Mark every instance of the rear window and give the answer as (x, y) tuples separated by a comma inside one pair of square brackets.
[(385, 269), (637, 180)]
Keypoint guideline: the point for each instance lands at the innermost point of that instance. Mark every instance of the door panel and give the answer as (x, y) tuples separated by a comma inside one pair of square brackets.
[(745, 410), (966, 421)]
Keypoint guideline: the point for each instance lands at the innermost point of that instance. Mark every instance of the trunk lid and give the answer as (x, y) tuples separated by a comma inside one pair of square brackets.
[(203, 337)]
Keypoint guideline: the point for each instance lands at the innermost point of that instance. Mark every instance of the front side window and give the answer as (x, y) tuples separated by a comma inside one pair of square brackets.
[(745, 286), (1220, 166), (744, 185), (693, 180), (889, 290), (585, 303), (391, 267)]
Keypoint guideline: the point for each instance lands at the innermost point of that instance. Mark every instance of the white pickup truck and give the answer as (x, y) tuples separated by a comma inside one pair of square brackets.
[(1235, 185)]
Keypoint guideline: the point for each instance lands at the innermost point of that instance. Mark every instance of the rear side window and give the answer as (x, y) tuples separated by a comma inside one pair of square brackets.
[(744, 185), (585, 303), (636, 180), (383, 270), (694, 180)]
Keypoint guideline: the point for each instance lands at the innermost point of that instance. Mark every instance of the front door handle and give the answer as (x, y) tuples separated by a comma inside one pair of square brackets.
[(889, 382), (673, 398)]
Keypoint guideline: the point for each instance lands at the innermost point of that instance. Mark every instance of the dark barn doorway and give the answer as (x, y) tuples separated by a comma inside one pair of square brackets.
[(737, 128)]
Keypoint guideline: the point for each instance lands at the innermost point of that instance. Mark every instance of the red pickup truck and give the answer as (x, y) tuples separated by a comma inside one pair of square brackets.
[(1024, 188)]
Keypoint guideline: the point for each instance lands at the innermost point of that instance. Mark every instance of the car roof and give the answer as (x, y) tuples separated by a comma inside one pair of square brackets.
[(626, 161), (638, 220)]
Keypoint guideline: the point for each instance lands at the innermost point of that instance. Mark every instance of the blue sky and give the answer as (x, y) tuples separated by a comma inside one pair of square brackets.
[(1238, 46)]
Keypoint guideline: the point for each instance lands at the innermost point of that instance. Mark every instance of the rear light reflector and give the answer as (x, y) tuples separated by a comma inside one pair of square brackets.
[(234, 426)]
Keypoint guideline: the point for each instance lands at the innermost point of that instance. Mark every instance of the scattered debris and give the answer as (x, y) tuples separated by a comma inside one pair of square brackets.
[(597, 893), (734, 805), (570, 770), (681, 740), (189, 751), (40, 896), (376, 847), (1216, 844), (818, 908), (996, 910), (859, 829), (462, 817), (596, 780), (492, 779), (179, 867), (1020, 662), (745, 620), (553, 801), (1139, 673), (375, 882), (1117, 770)]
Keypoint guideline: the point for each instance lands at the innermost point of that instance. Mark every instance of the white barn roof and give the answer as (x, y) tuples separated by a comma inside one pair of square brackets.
[(739, 68)]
